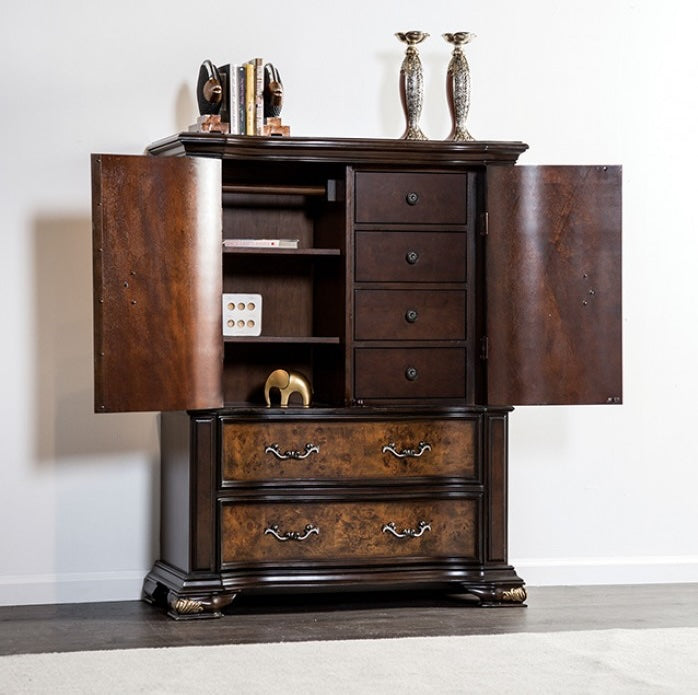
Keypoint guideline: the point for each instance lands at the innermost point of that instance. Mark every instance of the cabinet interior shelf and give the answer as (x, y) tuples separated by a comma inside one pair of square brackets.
[(316, 191), (276, 251), (304, 340)]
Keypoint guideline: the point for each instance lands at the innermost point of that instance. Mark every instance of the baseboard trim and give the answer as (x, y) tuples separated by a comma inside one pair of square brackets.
[(93, 587), (76, 587), (578, 571)]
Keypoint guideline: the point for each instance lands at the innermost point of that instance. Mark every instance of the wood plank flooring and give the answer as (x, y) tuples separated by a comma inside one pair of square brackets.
[(133, 624)]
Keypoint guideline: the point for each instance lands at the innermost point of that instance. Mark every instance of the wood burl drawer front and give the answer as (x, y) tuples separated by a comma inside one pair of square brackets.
[(410, 256), (395, 373), (272, 532), (410, 198), (336, 450), (409, 315)]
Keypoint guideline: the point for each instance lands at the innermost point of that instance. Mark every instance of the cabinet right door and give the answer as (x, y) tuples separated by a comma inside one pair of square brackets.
[(553, 285)]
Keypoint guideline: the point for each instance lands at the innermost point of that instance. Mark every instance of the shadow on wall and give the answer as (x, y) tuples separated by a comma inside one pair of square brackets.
[(186, 109), (67, 426)]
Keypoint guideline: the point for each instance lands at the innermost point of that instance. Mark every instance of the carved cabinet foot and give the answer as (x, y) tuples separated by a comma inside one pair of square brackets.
[(514, 595), (197, 607)]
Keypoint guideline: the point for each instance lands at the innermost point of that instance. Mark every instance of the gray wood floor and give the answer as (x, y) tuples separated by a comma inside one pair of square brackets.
[(132, 624)]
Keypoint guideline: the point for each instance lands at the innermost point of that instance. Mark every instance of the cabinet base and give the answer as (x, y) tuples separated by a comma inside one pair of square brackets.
[(199, 596)]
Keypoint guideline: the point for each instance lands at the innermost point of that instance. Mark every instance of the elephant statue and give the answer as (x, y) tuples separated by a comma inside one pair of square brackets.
[(288, 383)]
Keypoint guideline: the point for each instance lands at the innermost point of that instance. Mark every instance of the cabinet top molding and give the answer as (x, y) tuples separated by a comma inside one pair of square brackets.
[(350, 150)]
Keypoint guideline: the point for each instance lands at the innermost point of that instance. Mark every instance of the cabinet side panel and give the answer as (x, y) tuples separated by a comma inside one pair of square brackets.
[(157, 239), (553, 267)]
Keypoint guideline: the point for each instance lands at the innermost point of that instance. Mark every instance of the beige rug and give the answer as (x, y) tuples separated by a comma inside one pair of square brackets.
[(599, 661)]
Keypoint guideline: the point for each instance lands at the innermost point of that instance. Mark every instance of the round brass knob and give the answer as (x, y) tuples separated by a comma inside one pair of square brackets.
[(412, 198), (411, 374), (411, 315), (411, 257)]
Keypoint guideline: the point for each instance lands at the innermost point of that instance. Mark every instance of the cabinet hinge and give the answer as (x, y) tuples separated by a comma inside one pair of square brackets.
[(484, 347), (485, 223)]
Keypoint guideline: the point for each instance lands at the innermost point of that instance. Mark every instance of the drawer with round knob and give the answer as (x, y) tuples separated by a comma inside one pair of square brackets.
[(410, 198), (409, 373), (388, 449), (336, 531), (410, 256), (409, 315)]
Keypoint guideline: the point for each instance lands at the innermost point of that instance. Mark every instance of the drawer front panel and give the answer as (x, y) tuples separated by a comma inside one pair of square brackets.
[(410, 256), (385, 373), (410, 198), (409, 315), (271, 532), (331, 450)]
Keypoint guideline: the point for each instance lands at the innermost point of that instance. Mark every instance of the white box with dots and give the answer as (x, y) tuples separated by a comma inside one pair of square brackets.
[(242, 314)]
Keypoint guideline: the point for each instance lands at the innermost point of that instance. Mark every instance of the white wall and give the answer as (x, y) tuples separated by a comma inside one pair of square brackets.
[(597, 494)]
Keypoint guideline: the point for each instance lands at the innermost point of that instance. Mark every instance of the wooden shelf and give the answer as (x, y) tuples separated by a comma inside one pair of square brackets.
[(318, 191), (276, 251), (280, 339)]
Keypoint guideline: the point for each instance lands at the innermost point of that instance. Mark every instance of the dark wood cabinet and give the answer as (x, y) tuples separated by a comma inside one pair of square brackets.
[(433, 286)]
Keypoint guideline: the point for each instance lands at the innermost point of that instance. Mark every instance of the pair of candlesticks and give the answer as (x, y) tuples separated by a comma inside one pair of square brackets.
[(457, 85)]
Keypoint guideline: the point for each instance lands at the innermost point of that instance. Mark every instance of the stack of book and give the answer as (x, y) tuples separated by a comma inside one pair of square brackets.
[(243, 90)]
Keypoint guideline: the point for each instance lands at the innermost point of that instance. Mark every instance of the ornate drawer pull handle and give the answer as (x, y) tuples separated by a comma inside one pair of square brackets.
[(406, 453), (407, 532), (297, 455), (303, 535)]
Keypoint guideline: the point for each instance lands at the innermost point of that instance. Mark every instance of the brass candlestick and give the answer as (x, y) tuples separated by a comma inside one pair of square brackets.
[(412, 84), (458, 85)]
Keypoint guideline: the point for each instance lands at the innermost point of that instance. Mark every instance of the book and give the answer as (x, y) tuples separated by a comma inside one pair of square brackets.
[(258, 95), (249, 98), (261, 243), (241, 100)]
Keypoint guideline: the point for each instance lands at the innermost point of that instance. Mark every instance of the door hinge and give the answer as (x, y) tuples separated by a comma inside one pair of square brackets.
[(484, 223), (484, 347)]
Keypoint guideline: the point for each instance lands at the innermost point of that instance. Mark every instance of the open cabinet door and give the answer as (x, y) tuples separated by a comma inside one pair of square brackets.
[(553, 276), (157, 283)]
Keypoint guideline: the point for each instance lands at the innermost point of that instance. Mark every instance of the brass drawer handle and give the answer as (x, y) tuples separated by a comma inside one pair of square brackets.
[(296, 455), (406, 453), (407, 532), (303, 535)]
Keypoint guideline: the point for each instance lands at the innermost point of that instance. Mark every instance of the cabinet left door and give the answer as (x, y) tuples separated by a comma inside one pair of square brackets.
[(157, 283)]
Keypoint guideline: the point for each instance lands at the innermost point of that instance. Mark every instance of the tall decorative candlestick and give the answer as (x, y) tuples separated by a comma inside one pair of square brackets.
[(458, 85), (412, 84)]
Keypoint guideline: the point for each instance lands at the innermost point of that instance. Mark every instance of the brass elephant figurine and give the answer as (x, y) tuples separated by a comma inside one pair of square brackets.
[(288, 383)]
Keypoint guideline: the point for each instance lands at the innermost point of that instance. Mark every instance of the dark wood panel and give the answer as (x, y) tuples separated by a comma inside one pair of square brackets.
[(410, 256), (409, 315), (385, 373), (347, 530), (554, 285), (156, 250), (410, 198), (349, 450)]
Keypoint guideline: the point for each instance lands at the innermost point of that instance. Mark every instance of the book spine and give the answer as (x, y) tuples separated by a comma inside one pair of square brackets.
[(258, 95), (233, 98), (241, 104), (249, 98)]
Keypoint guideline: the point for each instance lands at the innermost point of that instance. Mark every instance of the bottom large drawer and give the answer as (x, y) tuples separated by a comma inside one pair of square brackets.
[(271, 532)]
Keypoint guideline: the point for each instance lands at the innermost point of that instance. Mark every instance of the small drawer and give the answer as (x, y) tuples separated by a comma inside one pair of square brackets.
[(409, 315), (410, 198), (395, 373), (410, 257), (357, 449), (336, 531)]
